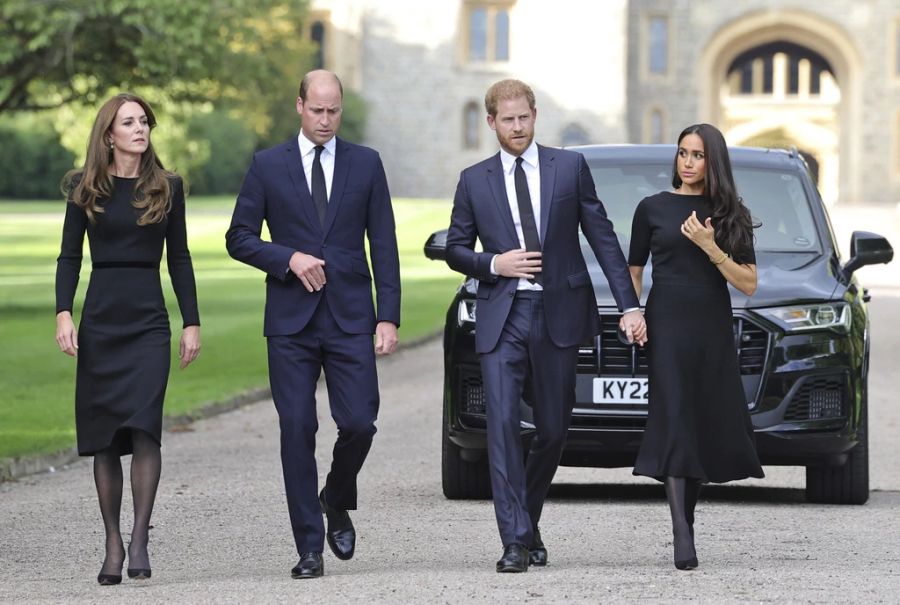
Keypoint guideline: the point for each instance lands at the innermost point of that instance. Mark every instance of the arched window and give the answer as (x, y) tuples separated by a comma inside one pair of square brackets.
[(317, 33), (658, 45), (778, 68), (501, 35), (478, 34), (656, 127), (471, 125), (487, 27)]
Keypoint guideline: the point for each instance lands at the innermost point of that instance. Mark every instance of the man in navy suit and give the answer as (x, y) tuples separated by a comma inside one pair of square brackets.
[(321, 197), (535, 302)]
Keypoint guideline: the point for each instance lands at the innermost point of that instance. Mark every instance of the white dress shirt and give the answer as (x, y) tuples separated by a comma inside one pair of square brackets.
[(308, 155), (533, 176)]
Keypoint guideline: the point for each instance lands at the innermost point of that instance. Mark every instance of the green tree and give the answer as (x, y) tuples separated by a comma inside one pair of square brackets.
[(32, 158), (230, 145), (53, 52)]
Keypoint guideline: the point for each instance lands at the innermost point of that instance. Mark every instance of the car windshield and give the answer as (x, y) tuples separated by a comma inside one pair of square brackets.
[(775, 199)]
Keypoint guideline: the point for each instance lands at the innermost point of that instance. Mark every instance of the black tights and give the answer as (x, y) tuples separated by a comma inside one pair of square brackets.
[(146, 463), (683, 494)]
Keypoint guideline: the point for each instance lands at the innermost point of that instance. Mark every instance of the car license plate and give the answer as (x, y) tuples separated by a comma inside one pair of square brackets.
[(620, 390)]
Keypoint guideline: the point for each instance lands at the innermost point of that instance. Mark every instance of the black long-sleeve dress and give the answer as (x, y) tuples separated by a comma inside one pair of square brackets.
[(124, 336), (698, 425)]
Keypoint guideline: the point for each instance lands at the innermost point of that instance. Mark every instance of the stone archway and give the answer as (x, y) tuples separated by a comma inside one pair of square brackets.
[(821, 36), (819, 145)]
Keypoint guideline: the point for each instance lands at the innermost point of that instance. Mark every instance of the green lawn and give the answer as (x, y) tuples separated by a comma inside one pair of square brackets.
[(37, 381)]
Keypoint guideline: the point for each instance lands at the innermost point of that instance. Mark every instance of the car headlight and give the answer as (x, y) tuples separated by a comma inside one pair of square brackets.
[(465, 313), (805, 318)]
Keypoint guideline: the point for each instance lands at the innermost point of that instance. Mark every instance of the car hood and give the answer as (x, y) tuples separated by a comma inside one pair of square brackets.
[(783, 278)]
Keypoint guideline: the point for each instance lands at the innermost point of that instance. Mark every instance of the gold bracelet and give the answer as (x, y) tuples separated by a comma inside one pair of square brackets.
[(720, 260)]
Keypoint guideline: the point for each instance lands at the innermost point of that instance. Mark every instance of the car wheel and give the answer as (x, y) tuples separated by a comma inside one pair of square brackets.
[(846, 484), (462, 480)]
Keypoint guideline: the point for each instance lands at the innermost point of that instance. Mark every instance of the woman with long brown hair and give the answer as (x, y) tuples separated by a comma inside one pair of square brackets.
[(129, 206), (701, 238)]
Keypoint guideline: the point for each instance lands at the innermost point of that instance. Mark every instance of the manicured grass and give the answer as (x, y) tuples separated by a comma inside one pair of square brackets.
[(37, 382)]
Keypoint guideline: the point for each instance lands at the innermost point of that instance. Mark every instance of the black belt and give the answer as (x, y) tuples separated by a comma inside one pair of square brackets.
[(125, 264)]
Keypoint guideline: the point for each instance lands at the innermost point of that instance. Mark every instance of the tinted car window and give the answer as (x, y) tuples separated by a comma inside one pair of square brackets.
[(775, 199)]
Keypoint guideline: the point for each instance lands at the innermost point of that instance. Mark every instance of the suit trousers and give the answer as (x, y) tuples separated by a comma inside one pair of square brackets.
[(295, 362), (526, 363)]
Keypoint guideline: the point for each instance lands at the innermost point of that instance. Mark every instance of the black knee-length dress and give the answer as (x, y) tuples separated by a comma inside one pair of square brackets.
[(698, 425), (124, 336)]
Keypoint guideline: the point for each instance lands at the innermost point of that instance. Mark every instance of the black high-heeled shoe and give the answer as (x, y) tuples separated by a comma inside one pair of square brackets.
[(685, 554), (108, 579), (139, 574)]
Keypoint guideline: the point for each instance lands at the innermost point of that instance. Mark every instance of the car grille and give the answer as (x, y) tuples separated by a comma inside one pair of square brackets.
[(471, 397), (617, 359), (818, 398), (752, 343)]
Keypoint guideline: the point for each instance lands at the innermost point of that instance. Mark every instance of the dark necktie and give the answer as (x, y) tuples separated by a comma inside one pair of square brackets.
[(319, 191), (526, 214)]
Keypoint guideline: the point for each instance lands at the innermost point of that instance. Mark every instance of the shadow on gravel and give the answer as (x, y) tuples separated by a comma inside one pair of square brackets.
[(638, 493)]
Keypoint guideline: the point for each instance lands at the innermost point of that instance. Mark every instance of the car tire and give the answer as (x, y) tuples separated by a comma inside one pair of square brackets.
[(462, 480), (845, 484)]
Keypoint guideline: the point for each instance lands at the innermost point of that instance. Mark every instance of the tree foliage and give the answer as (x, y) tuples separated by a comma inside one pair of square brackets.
[(53, 52), (32, 158)]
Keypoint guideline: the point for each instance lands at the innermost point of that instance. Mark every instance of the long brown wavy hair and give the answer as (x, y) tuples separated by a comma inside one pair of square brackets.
[(93, 181), (732, 220)]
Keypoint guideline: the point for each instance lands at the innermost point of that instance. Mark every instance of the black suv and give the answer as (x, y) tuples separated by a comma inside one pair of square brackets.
[(802, 338)]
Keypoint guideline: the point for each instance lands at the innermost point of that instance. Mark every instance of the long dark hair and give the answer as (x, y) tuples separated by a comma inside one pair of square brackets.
[(86, 185), (731, 219)]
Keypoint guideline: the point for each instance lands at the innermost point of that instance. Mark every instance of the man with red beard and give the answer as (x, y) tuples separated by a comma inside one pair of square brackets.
[(536, 303)]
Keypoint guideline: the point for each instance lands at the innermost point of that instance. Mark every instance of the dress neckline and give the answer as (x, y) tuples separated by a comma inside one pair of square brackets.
[(687, 195)]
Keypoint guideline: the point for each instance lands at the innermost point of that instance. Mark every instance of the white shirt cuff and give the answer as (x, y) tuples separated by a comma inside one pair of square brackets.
[(493, 271), (630, 309)]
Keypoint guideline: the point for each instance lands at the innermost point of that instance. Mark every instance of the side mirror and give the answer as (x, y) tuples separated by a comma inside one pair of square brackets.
[(436, 245), (867, 249)]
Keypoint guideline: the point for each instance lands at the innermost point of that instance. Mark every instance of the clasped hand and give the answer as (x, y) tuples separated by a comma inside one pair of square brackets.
[(309, 270), (634, 327), (518, 263)]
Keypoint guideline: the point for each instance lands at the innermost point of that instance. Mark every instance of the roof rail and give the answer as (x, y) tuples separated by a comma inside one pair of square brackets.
[(793, 151)]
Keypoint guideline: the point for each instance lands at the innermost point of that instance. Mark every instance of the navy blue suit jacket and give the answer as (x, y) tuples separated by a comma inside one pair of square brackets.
[(568, 200), (275, 191)]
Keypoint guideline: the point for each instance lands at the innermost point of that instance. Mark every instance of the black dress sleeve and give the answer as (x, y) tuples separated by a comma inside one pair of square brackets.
[(68, 264), (639, 248), (181, 270)]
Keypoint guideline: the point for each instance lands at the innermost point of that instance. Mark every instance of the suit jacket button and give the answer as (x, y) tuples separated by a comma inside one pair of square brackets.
[(513, 293)]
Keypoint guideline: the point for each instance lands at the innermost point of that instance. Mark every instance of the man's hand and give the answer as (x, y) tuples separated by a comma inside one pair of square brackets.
[(309, 270), (518, 263), (634, 327), (385, 338)]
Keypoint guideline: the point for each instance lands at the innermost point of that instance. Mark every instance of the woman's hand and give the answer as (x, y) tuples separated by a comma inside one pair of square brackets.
[(66, 335), (189, 348), (702, 234)]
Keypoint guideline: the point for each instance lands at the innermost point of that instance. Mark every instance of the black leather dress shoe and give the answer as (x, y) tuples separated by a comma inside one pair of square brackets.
[(310, 566), (537, 554), (340, 535), (514, 559)]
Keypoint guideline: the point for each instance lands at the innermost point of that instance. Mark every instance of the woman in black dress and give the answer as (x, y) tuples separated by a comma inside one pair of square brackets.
[(701, 238), (129, 206)]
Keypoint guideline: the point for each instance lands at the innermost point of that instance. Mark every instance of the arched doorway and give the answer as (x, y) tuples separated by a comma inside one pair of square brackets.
[(788, 77)]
